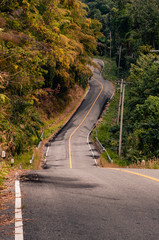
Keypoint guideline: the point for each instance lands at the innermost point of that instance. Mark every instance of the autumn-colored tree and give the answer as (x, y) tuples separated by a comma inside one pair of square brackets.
[(45, 46)]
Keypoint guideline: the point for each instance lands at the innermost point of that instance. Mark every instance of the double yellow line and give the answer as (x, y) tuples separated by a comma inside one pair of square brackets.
[(83, 120)]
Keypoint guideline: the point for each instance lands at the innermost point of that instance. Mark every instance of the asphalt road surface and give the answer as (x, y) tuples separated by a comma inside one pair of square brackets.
[(73, 199)]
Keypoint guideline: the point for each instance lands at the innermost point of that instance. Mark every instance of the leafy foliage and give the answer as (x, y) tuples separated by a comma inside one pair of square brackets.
[(44, 48), (143, 120), (131, 29), (131, 23)]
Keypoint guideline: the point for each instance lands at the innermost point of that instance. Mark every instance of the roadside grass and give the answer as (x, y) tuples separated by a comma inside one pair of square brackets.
[(114, 156), (150, 164), (54, 125), (4, 170), (22, 161), (37, 158), (104, 161), (52, 129), (153, 163)]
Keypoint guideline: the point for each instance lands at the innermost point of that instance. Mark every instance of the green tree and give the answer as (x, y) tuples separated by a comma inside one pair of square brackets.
[(142, 117), (45, 47), (146, 125)]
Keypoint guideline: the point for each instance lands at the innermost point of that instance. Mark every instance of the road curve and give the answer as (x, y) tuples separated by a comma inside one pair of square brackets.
[(70, 148), (72, 199)]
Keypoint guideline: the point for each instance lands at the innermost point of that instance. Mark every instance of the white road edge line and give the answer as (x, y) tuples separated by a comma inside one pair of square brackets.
[(18, 212), (90, 147), (47, 151), (92, 129)]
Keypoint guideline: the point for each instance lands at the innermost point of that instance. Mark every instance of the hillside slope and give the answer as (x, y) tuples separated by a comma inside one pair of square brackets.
[(44, 51)]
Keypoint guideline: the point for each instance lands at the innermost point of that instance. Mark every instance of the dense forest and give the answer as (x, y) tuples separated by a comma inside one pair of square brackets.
[(130, 29), (45, 47)]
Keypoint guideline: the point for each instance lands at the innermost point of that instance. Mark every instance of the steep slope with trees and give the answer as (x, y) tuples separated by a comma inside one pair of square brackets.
[(44, 48), (131, 23), (142, 122), (131, 29)]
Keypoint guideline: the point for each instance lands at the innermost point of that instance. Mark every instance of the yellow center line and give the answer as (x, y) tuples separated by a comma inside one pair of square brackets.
[(138, 174), (83, 120)]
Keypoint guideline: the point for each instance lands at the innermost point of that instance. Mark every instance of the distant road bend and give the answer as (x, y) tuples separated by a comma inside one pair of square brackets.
[(70, 149), (72, 199)]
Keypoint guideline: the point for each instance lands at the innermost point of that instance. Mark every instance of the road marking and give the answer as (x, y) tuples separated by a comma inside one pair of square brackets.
[(90, 147), (83, 120), (47, 151), (138, 174), (18, 212)]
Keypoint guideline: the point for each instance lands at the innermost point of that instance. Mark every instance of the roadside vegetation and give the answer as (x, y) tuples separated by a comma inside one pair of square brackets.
[(140, 131), (107, 124), (130, 32), (45, 47), (45, 50), (4, 170)]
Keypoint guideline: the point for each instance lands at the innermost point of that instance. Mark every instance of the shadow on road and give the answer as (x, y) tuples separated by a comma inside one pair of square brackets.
[(60, 182)]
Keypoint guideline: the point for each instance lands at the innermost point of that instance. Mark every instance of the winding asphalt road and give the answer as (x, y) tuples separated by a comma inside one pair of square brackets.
[(73, 199)]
